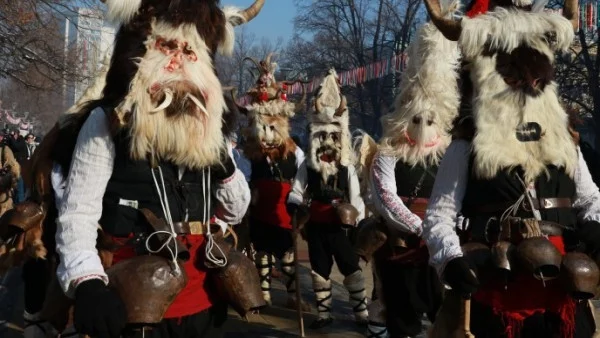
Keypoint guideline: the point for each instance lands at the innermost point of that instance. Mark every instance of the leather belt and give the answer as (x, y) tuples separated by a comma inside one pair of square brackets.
[(189, 228), (539, 204)]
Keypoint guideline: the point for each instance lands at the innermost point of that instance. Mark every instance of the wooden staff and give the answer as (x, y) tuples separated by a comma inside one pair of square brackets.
[(466, 312), (295, 233)]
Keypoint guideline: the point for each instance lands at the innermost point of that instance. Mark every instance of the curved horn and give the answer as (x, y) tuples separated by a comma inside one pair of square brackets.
[(570, 12), (254, 61), (449, 28), (268, 60), (318, 105), (166, 102), (198, 103), (342, 108), (251, 12)]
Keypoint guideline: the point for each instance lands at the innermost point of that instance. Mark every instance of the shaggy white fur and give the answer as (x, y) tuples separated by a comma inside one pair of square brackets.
[(329, 97), (498, 109), (507, 29), (418, 129), (191, 140), (121, 11), (232, 14), (273, 108)]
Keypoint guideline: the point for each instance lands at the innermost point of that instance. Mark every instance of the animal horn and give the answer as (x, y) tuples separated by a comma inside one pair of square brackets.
[(268, 59), (198, 103), (251, 12), (166, 102), (570, 12), (342, 108), (318, 105), (253, 60), (451, 29)]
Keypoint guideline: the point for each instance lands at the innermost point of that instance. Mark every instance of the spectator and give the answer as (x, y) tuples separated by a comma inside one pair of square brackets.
[(30, 145)]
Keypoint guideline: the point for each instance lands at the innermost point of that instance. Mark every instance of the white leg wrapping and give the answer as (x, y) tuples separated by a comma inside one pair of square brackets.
[(355, 283), (264, 265), (322, 288), (37, 328), (376, 327)]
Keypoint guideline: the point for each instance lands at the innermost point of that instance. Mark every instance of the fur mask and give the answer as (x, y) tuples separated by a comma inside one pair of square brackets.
[(417, 132), (173, 105), (330, 142), (518, 117)]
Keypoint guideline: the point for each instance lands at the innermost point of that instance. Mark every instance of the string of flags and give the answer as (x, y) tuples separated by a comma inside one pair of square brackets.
[(17, 122), (351, 77), (588, 15)]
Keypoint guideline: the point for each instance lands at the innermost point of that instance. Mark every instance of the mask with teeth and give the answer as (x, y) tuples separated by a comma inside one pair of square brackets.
[(329, 145)]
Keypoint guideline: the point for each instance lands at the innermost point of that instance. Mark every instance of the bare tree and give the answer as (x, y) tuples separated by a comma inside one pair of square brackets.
[(36, 58), (578, 74), (347, 34), (236, 70)]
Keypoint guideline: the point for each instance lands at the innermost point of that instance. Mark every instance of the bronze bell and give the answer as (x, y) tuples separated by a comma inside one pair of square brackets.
[(370, 238), (239, 284), (540, 257), (147, 285), (580, 275), (347, 214), (502, 255), (22, 218), (478, 254)]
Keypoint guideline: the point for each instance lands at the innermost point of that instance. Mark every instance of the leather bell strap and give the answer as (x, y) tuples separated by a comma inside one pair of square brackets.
[(538, 203)]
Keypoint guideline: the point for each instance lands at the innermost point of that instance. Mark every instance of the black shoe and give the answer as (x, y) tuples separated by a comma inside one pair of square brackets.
[(321, 323)]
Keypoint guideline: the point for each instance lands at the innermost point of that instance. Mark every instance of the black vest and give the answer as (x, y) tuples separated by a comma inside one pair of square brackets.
[(505, 188), (133, 181), (283, 170), (337, 186), (408, 177)]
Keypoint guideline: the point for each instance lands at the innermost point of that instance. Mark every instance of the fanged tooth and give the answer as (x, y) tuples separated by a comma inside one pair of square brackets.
[(166, 102), (198, 103)]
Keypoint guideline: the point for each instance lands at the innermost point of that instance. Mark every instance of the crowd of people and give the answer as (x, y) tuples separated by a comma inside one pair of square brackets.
[(478, 207)]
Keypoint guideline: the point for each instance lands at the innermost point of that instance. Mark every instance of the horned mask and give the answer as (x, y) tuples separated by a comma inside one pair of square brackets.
[(510, 54), (162, 83), (330, 140), (417, 131), (268, 114)]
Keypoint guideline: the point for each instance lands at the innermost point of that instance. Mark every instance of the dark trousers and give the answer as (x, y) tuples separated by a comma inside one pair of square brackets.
[(408, 292), (270, 238), (206, 324), (36, 278), (326, 242)]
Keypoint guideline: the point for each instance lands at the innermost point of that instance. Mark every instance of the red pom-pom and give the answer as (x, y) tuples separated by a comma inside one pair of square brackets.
[(479, 7)]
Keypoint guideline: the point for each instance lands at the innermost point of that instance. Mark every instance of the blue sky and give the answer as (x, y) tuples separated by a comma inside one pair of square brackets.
[(275, 20)]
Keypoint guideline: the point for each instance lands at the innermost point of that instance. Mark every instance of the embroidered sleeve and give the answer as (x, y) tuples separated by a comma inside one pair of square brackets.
[(354, 192), (587, 196), (385, 198), (81, 205), (444, 205), (299, 186)]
